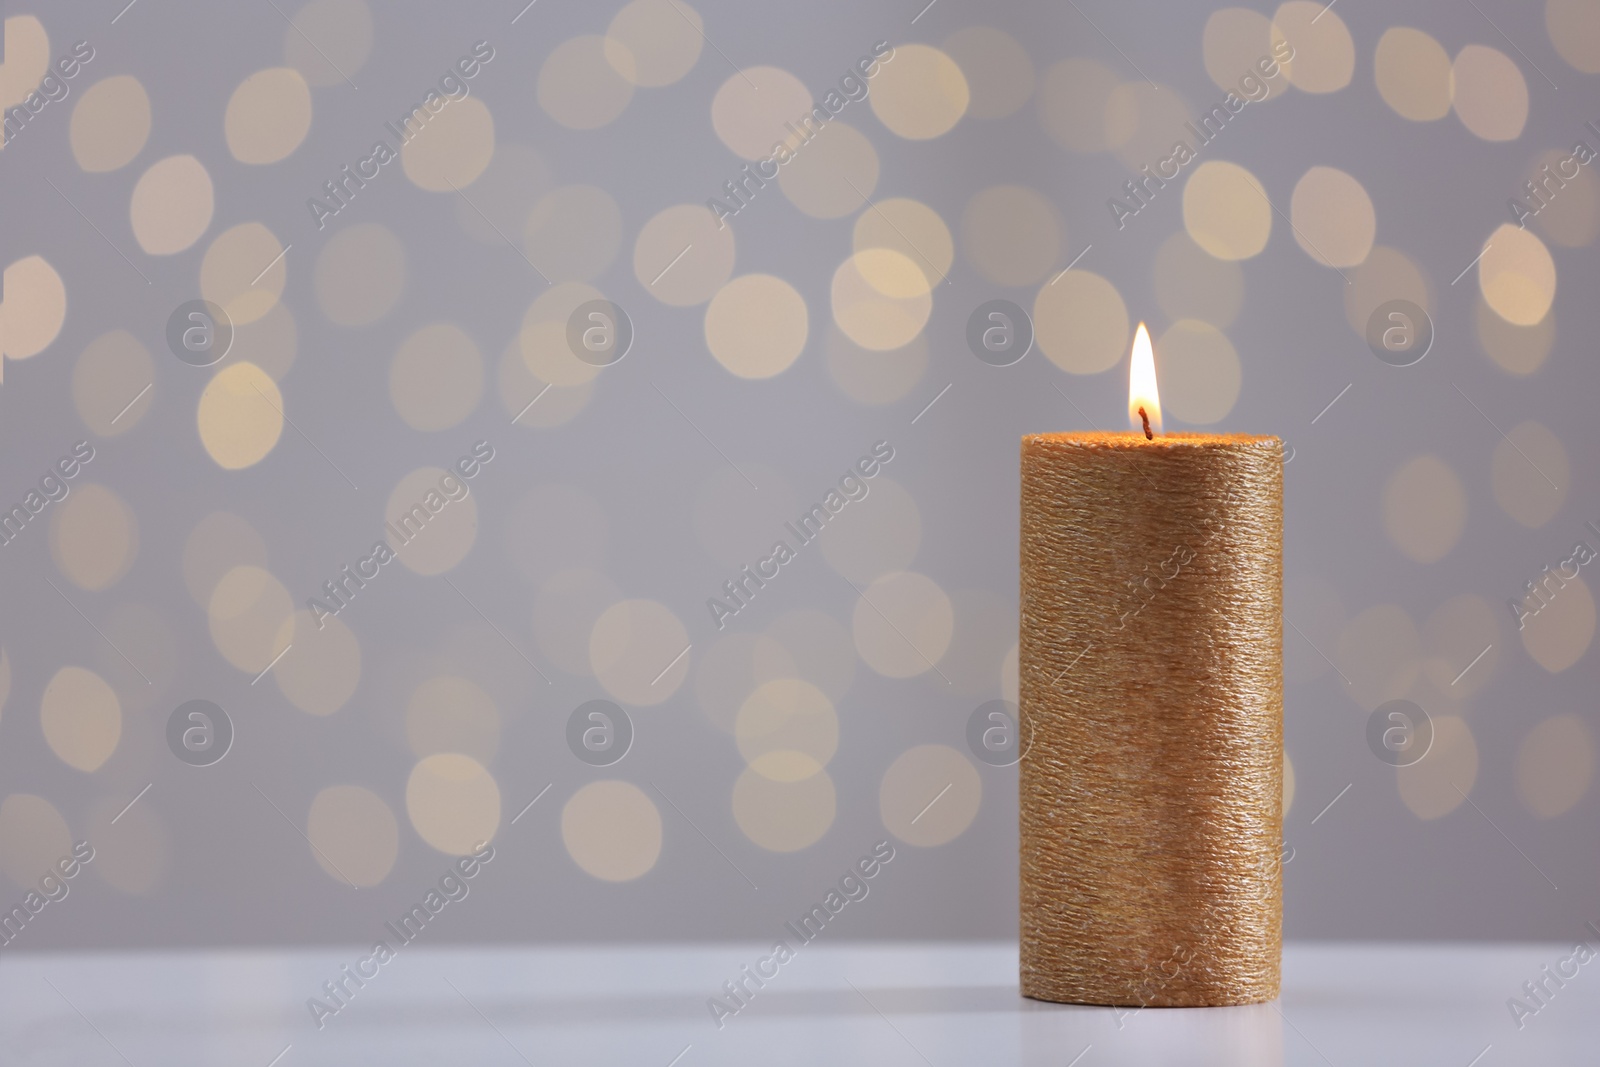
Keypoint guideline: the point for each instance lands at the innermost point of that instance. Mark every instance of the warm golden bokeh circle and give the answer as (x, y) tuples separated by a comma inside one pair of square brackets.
[(1414, 74), (1517, 275), (359, 274), (910, 228), (1324, 52), (81, 718), (453, 802), (929, 795), (33, 836), (1234, 40), (436, 378), (251, 617), (784, 816), (1435, 786), (902, 624), (1200, 372), (1080, 322), (27, 58), (244, 272), (111, 383), (172, 205), (1574, 28), (787, 729), (1529, 474), (353, 834), (756, 325), (110, 123), (579, 86), (833, 174), (653, 43), (321, 670), (328, 41), (683, 255), (754, 110), (240, 416), (1559, 634), (922, 94), (431, 520), (1490, 95), (453, 149), (612, 830), (268, 115), (1555, 766), (637, 652), (881, 299), (542, 340), (1332, 217), (1424, 508), (34, 308), (1226, 210), (94, 536)]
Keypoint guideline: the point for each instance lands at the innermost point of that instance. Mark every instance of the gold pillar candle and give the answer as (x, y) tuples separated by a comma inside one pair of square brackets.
[(1151, 700)]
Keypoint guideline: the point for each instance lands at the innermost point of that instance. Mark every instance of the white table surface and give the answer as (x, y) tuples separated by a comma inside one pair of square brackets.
[(880, 1004)]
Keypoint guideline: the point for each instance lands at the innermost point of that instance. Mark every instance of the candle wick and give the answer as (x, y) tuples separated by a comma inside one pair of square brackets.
[(1148, 436)]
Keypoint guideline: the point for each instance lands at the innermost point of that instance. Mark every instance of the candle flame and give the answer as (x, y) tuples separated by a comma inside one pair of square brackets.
[(1144, 402)]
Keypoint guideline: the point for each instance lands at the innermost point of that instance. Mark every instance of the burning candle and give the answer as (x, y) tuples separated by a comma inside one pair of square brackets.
[(1151, 692)]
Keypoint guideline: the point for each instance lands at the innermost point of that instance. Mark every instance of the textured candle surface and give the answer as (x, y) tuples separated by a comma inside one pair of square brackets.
[(1151, 699)]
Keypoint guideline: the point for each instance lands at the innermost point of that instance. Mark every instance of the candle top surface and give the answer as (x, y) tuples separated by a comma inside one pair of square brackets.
[(1130, 441)]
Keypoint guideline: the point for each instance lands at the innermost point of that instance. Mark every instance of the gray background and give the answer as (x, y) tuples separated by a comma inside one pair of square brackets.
[(231, 870)]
